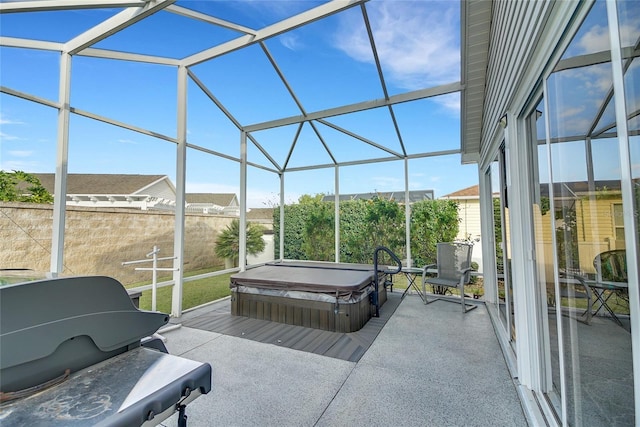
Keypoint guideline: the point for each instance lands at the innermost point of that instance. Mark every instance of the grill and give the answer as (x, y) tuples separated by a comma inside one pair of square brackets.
[(75, 351)]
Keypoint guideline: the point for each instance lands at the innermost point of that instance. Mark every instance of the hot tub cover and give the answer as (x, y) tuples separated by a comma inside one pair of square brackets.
[(307, 277)]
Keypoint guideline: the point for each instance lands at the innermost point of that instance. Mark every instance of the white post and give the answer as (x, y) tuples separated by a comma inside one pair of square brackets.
[(242, 260), (337, 213), (62, 157), (154, 279), (181, 164), (281, 215), (407, 213)]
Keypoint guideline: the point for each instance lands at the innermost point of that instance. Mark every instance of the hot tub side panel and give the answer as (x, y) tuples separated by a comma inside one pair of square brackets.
[(349, 317)]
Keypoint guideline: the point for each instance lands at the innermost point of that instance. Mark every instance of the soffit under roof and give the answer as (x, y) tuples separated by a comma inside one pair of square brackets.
[(477, 32)]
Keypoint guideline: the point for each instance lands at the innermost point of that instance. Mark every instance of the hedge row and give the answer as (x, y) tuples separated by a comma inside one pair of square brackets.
[(364, 224)]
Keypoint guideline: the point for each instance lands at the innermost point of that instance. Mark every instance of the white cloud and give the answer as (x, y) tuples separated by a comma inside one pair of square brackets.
[(20, 165), (386, 183), (417, 42), (629, 33), (450, 101), (20, 153), (290, 41), (7, 137), (595, 40), (6, 121), (570, 112)]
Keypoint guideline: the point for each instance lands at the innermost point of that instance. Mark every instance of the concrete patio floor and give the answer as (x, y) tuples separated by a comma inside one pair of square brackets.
[(429, 366)]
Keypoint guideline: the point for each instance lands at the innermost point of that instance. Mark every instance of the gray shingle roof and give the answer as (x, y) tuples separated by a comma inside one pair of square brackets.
[(86, 183), (398, 196), (220, 199), (260, 213), (473, 191)]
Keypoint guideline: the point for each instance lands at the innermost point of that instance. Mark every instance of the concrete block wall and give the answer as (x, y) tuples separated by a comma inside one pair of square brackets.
[(98, 240)]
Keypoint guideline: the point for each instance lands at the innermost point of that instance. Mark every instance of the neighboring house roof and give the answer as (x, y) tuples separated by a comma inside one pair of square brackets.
[(220, 199), (560, 189), (579, 188), (85, 183), (115, 190), (221, 203), (473, 191), (260, 213), (137, 191), (398, 196)]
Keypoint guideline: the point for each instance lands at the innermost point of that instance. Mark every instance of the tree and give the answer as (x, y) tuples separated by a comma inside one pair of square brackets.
[(379, 222), (19, 186), (318, 241), (296, 217), (365, 224), (432, 221), (228, 242)]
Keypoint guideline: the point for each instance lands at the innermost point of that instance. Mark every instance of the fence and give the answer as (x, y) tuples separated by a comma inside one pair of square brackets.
[(98, 240)]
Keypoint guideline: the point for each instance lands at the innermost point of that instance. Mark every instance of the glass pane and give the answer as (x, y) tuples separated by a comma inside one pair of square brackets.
[(263, 188), (592, 337), (119, 212), (27, 144), (309, 231), (499, 247), (629, 16), (544, 252), (371, 212)]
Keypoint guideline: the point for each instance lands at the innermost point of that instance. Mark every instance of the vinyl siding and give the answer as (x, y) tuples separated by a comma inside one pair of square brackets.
[(160, 189), (512, 44)]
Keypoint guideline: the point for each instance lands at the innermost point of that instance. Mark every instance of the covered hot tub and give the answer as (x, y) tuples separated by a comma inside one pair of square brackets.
[(322, 295)]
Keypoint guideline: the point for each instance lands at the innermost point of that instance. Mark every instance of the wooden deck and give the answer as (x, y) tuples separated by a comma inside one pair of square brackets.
[(346, 346)]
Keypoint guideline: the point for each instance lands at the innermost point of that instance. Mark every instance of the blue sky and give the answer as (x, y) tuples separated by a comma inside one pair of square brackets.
[(327, 63)]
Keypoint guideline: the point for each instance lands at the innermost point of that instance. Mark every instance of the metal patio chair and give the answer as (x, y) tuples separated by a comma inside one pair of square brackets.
[(453, 270), (573, 287), (610, 280)]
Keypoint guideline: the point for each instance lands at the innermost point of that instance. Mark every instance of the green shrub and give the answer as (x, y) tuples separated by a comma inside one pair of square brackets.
[(228, 242), (432, 221), (18, 186), (364, 225)]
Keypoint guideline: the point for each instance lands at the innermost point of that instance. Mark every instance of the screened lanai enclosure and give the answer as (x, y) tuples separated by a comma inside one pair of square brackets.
[(268, 100), (531, 104)]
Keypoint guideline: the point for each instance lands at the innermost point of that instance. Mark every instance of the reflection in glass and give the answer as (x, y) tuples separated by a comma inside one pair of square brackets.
[(591, 336), (629, 17), (583, 93), (544, 252), (502, 236)]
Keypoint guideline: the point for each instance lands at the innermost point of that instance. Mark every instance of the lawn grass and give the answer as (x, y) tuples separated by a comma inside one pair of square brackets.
[(194, 293), (617, 304)]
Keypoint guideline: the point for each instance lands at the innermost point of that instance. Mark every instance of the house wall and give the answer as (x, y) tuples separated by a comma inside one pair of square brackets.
[(265, 256), (160, 189), (469, 214), (97, 241), (595, 231)]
